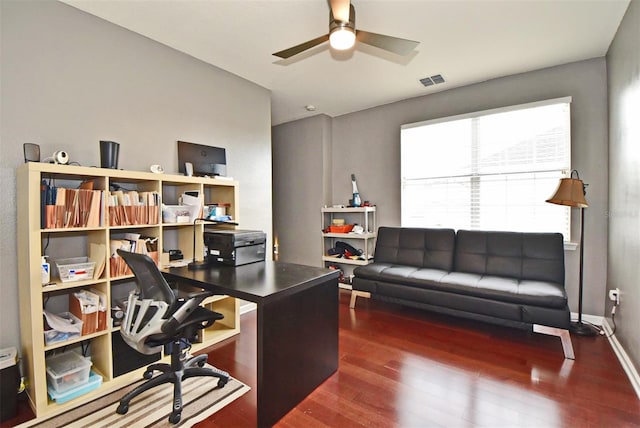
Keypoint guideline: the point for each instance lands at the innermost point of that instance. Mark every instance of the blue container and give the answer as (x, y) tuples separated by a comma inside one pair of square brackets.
[(94, 382)]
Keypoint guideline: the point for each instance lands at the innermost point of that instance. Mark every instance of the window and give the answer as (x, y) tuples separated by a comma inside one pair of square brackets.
[(490, 170)]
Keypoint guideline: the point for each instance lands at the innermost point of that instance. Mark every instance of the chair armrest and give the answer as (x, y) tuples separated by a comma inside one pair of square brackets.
[(185, 295), (190, 304)]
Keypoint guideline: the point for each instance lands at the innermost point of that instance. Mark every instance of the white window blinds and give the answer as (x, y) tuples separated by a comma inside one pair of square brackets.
[(490, 170)]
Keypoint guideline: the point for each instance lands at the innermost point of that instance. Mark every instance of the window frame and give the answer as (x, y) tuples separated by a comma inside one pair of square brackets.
[(405, 182)]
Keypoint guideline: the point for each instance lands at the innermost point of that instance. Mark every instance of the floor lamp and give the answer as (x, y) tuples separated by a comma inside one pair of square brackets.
[(571, 192)]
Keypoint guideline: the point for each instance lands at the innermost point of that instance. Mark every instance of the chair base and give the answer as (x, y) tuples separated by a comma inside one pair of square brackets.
[(180, 369)]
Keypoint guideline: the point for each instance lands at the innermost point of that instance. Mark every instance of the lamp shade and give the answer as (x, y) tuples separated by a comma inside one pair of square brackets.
[(570, 192)]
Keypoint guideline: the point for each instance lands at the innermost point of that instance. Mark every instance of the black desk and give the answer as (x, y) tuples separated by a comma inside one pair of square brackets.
[(297, 314)]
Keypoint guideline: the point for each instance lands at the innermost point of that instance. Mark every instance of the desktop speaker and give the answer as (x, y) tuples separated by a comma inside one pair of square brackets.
[(31, 152)]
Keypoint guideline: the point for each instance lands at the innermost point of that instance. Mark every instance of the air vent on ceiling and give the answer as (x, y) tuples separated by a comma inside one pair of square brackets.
[(433, 80)]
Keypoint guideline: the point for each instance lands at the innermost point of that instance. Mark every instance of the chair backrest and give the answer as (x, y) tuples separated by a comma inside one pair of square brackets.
[(149, 306), (151, 282)]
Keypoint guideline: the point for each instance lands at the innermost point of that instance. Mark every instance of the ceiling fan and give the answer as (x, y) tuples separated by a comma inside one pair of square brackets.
[(343, 34)]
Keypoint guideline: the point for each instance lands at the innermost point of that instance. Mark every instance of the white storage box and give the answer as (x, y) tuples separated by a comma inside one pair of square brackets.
[(75, 269), (180, 213), (67, 370)]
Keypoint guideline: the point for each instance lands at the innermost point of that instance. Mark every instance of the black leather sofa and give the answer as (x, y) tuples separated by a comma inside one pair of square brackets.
[(509, 278)]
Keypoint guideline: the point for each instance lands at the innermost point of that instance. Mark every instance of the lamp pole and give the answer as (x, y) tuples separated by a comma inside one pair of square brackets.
[(580, 328)]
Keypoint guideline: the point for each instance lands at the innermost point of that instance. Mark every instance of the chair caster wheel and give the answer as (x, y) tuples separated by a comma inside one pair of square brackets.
[(200, 364), (222, 382), (147, 374), (174, 418), (122, 409)]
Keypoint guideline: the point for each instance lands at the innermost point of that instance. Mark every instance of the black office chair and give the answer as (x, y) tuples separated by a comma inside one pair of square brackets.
[(156, 317)]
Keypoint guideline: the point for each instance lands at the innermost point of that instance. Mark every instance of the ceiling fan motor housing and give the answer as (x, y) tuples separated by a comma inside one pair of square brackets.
[(334, 24)]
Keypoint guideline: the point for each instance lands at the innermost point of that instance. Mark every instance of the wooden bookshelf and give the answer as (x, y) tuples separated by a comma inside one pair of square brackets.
[(34, 240)]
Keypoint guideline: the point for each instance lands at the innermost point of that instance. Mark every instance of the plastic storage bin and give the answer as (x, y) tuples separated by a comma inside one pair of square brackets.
[(52, 336), (68, 370), (345, 228), (75, 269), (180, 213), (94, 382)]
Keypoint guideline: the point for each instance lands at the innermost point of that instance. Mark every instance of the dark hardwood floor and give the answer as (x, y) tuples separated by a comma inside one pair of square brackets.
[(401, 367)]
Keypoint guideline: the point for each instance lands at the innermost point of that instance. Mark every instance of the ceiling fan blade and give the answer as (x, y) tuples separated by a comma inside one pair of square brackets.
[(287, 53), (392, 44), (340, 10)]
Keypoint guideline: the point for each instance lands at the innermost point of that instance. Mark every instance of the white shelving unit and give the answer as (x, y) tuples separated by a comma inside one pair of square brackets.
[(363, 216), (36, 239)]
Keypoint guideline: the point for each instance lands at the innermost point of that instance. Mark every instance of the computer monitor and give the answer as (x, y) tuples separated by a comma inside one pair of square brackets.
[(206, 160)]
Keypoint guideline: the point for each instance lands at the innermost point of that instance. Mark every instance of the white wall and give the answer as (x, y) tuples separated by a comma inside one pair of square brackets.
[(367, 143), (623, 66), (70, 79)]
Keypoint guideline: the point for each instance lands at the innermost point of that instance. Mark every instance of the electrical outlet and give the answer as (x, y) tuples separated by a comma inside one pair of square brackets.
[(614, 296)]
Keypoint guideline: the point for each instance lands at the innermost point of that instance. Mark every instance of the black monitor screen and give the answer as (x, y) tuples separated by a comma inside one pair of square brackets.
[(206, 160)]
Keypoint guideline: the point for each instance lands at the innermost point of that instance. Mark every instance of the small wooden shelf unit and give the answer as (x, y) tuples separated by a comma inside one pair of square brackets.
[(363, 216)]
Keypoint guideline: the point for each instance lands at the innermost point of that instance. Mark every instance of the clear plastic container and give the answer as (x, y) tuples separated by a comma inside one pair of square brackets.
[(94, 382), (68, 370)]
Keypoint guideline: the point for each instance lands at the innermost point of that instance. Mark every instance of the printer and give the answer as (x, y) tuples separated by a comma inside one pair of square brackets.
[(234, 247)]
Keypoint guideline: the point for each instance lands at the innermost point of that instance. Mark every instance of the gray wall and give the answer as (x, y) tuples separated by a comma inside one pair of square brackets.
[(70, 79), (301, 185), (623, 66), (367, 143)]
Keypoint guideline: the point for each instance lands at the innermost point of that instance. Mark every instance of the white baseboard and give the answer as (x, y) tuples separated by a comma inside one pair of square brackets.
[(623, 357), (591, 319)]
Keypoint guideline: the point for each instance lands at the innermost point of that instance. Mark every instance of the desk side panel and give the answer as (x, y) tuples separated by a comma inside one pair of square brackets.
[(297, 348)]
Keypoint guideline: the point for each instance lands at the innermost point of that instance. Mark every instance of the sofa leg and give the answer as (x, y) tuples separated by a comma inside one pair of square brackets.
[(564, 335), (355, 294)]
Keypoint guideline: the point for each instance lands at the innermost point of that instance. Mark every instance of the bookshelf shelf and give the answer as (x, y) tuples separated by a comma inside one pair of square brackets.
[(64, 242)]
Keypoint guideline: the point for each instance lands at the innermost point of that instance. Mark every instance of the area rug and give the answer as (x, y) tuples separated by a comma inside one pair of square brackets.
[(200, 397)]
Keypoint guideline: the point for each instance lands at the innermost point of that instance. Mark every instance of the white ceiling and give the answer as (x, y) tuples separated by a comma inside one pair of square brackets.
[(467, 41)]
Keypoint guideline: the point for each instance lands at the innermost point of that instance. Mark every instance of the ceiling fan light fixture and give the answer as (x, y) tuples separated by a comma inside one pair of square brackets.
[(342, 38)]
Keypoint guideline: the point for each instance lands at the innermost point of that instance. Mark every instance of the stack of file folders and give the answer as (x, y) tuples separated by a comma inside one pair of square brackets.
[(63, 207), (134, 243), (132, 207)]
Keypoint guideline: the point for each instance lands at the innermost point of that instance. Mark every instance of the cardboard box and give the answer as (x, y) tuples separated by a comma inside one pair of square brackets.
[(84, 305)]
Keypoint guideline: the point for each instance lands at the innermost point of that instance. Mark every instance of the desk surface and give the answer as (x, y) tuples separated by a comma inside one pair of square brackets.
[(258, 282)]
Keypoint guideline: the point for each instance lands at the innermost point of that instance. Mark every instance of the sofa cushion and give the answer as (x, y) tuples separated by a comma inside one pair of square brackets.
[(428, 248), (458, 302), (513, 290), (534, 256), (399, 274)]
